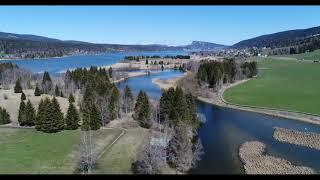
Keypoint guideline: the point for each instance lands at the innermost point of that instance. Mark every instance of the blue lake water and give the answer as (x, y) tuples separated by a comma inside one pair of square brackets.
[(59, 65), (145, 82)]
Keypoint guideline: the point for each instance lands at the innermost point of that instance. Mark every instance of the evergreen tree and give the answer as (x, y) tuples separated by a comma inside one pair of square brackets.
[(57, 115), (72, 118), (46, 83), (40, 114), (113, 104), (110, 72), (57, 91), (144, 115), (142, 110), (46, 77), (138, 104), (30, 114), (43, 121), (167, 104), (181, 112), (22, 114), (128, 97), (90, 117), (17, 87), (71, 99), (23, 96), (4, 116), (37, 91)]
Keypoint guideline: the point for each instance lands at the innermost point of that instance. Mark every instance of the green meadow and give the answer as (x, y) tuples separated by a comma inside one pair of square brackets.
[(285, 84), (27, 151)]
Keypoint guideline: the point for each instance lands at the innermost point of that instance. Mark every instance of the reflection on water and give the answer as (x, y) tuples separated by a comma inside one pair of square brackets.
[(145, 82), (226, 129)]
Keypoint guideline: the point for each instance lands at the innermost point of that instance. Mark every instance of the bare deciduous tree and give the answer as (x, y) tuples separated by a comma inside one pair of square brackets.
[(86, 159)]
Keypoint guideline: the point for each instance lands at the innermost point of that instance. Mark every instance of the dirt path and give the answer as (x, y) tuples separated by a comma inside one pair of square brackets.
[(113, 142)]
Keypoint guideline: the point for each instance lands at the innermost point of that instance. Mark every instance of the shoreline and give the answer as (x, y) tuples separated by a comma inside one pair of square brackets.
[(46, 58), (130, 75), (219, 101), (216, 98), (166, 84)]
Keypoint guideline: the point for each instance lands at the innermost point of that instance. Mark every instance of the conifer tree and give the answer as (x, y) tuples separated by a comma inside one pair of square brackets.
[(30, 114), (90, 117), (128, 99), (4, 116), (41, 114), (17, 87), (57, 91), (23, 96), (22, 114), (142, 110), (110, 71), (113, 104), (58, 120), (72, 117), (46, 83), (71, 99), (138, 104), (37, 91), (43, 119), (180, 107)]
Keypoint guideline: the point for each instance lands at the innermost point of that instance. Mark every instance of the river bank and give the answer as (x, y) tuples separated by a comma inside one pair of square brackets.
[(307, 139), (129, 75), (217, 99), (167, 83), (255, 160)]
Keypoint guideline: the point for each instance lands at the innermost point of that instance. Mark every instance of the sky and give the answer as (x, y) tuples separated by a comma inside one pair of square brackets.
[(169, 25)]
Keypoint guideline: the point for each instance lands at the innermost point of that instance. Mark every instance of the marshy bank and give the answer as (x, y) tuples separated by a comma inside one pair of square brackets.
[(307, 139), (255, 161)]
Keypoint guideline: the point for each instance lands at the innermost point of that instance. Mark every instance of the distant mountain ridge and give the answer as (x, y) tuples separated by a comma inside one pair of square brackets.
[(202, 45), (283, 39), (12, 36), (33, 46)]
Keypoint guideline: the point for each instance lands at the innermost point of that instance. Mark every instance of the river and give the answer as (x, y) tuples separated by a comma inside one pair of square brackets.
[(226, 129)]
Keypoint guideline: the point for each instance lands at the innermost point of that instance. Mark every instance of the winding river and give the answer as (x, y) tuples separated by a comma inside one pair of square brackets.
[(225, 129)]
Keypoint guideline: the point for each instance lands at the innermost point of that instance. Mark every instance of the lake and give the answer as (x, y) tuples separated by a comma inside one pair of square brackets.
[(60, 65)]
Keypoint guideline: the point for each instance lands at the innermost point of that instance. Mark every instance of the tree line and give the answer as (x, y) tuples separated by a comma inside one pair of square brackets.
[(217, 73)]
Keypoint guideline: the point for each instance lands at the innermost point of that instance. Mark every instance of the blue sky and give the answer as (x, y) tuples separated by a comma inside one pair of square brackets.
[(171, 25)]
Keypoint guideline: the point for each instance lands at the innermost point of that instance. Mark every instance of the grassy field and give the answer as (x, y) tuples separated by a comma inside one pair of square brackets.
[(119, 158), (29, 151), (292, 85), (314, 55)]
